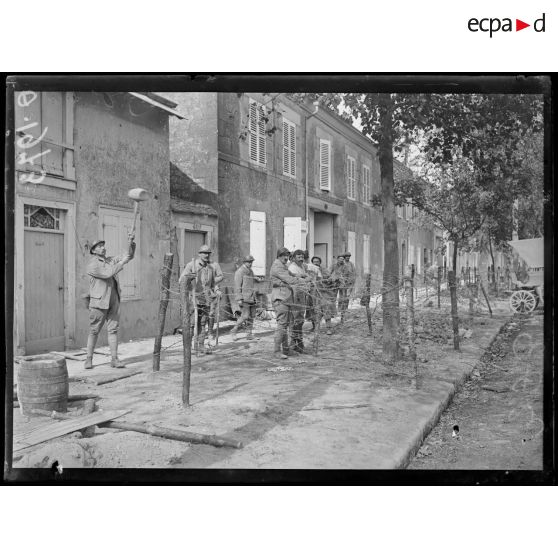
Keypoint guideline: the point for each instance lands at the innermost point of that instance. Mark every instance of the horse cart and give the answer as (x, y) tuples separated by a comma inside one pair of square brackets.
[(528, 294)]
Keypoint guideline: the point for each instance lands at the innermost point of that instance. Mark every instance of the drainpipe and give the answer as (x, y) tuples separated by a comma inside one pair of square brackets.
[(306, 182)]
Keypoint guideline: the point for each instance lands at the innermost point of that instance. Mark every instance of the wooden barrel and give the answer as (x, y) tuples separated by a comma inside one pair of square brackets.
[(42, 383)]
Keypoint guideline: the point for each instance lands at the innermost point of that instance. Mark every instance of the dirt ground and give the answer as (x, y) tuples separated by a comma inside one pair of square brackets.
[(343, 409), (498, 412)]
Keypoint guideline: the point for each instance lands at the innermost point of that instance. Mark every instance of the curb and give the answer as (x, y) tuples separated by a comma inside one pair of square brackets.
[(416, 444)]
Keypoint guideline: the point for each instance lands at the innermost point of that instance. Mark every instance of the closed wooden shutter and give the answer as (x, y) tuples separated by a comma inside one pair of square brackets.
[(351, 178), (114, 225), (292, 233), (289, 148), (325, 164), (366, 253), (366, 190), (258, 241), (257, 134)]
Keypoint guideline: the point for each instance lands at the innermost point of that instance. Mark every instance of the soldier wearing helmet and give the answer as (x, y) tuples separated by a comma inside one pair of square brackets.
[(245, 295), (202, 278)]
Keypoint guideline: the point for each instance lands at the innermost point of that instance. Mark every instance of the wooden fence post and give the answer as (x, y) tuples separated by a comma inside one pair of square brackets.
[(163, 304), (439, 281), (186, 342), (410, 307), (485, 297), (365, 301), (454, 317)]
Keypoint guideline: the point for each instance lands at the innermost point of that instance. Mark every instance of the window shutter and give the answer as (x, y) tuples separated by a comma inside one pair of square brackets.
[(324, 165), (253, 132), (258, 241), (292, 146), (292, 233), (261, 137), (286, 153)]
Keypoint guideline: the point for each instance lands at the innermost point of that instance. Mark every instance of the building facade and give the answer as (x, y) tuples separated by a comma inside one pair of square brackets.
[(280, 173), (77, 155)]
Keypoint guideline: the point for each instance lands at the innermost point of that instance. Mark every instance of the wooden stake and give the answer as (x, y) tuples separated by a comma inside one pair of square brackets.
[(186, 342), (365, 301), (163, 303), (410, 306), (172, 434), (454, 316), (485, 297), (439, 283)]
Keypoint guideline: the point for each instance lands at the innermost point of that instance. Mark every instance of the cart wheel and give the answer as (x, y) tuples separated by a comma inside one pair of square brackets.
[(523, 302)]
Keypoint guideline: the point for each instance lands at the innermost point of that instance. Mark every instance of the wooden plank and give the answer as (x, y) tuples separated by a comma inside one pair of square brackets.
[(108, 378), (57, 429)]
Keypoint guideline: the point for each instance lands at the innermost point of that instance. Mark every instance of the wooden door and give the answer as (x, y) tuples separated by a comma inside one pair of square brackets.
[(44, 291), (192, 242)]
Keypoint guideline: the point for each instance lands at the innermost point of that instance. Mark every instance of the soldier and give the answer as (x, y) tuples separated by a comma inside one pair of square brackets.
[(337, 277), (104, 298), (315, 272), (205, 278), (300, 295), (326, 294), (349, 272), (282, 299), (245, 296)]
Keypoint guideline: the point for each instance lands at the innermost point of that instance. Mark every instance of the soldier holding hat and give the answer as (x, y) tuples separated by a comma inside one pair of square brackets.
[(245, 296), (205, 278), (283, 282), (104, 297)]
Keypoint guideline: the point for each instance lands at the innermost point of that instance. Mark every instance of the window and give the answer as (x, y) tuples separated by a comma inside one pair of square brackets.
[(289, 148), (114, 225), (351, 178), (325, 164), (366, 190), (44, 136), (257, 133), (366, 253), (35, 216)]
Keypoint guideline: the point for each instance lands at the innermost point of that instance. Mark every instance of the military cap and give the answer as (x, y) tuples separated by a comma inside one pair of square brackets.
[(283, 252), (248, 258), (205, 249), (93, 246)]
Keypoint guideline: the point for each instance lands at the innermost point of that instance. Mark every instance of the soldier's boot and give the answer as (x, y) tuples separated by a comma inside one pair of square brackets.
[(329, 331), (250, 332), (91, 342), (113, 346), (278, 346)]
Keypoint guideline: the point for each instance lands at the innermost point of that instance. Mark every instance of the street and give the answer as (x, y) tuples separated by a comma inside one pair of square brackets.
[(498, 412)]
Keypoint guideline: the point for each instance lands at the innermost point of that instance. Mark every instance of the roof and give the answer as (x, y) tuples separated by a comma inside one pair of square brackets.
[(191, 207), (159, 102), (531, 250)]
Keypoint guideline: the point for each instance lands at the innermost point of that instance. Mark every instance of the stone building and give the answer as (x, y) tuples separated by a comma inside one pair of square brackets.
[(77, 155), (280, 173)]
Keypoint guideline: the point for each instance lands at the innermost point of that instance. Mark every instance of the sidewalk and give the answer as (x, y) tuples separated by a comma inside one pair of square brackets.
[(341, 409)]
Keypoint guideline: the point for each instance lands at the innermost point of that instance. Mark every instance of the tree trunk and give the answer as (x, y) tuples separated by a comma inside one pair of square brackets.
[(453, 297), (390, 287)]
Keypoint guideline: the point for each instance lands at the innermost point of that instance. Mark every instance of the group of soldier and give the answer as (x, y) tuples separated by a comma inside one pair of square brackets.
[(301, 291)]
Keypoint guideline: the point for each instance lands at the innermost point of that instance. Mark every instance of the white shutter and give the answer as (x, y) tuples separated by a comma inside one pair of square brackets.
[(351, 188), (257, 134), (286, 151), (292, 233), (351, 244), (258, 241), (366, 192), (114, 225), (325, 164), (366, 253), (289, 148)]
